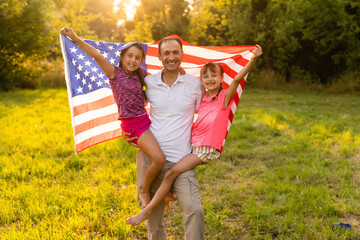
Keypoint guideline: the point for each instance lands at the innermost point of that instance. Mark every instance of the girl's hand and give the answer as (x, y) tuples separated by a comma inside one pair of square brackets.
[(256, 53), (68, 32)]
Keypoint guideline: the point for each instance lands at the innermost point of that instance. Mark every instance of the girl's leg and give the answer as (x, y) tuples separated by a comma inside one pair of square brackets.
[(186, 163), (150, 146)]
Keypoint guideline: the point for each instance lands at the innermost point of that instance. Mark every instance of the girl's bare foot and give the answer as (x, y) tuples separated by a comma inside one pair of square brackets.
[(144, 198), (169, 197), (138, 218)]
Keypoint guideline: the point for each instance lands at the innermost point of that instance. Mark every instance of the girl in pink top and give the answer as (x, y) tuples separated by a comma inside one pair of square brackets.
[(127, 84), (208, 131)]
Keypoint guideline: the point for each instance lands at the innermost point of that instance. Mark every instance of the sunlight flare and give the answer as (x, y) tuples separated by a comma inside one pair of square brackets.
[(130, 7)]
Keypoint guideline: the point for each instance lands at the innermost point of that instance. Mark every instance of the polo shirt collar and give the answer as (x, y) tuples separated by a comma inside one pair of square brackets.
[(159, 81)]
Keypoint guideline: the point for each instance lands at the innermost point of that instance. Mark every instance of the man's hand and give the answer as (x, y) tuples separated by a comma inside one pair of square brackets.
[(130, 140), (182, 71)]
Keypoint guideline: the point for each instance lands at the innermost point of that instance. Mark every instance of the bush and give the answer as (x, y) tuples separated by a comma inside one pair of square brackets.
[(52, 73), (348, 82)]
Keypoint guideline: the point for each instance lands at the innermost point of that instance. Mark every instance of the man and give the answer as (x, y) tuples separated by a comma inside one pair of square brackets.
[(173, 99)]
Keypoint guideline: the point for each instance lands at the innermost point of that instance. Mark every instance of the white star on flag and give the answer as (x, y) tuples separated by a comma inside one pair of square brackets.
[(101, 75), (79, 89), (105, 55), (81, 56), (73, 49)]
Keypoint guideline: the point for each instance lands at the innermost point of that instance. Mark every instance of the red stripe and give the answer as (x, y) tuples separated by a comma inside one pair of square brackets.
[(231, 49), (242, 83), (97, 139), (152, 51), (95, 122), (104, 102), (231, 116), (154, 67), (227, 49)]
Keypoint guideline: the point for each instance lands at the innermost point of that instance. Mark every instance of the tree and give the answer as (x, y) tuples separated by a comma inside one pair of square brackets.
[(209, 23), (24, 38), (155, 19), (105, 19), (309, 40)]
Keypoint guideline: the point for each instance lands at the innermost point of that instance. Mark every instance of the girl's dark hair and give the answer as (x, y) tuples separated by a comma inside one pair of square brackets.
[(137, 71), (211, 66)]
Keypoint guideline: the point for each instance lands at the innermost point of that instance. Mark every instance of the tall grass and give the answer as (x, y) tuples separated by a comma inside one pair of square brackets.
[(290, 168)]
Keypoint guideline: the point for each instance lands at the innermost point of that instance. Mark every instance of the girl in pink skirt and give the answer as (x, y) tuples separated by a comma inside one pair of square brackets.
[(128, 86)]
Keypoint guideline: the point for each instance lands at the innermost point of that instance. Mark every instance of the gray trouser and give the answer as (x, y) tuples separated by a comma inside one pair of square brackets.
[(187, 192)]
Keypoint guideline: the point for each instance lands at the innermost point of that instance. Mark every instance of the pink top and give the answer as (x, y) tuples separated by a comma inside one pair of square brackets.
[(210, 128), (128, 93)]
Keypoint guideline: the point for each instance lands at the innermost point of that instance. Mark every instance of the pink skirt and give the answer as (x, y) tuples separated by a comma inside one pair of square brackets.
[(136, 125)]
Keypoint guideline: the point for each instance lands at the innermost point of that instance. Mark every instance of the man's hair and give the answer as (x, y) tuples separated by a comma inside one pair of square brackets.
[(169, 39)]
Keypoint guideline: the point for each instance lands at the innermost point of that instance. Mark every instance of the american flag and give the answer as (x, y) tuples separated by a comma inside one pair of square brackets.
[(94, 113)]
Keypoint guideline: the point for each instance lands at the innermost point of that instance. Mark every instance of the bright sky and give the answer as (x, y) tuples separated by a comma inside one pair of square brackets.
[(130, 7)]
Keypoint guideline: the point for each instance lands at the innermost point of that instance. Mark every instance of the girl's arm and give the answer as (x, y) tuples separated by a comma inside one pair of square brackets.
[(106, 66), (235, 83)]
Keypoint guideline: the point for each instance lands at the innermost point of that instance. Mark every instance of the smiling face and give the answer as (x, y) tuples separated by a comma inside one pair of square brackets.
[(211, 78), (170, 55), (131, 59)]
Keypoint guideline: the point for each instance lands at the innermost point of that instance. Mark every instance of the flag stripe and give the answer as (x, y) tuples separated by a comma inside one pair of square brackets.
[(97, 139), (84, 117), (92, 96), (83, 108), (96, 122), (93, 132)]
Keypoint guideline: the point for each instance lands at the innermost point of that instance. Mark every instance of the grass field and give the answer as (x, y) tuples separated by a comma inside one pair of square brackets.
[(290, 168)]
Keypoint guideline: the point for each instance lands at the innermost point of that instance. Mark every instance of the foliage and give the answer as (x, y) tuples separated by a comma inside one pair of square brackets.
[(160, 18), (30, 33), (24, 33), (306, 41), (289, 169), (318, 39), (71, 13), (105, 24), (209, 24)]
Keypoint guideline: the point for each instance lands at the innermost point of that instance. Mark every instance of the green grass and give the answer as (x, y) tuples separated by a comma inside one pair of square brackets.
[(289, 169)]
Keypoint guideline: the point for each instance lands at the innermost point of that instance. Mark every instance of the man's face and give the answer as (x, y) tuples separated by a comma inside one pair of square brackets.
[(171, 55)]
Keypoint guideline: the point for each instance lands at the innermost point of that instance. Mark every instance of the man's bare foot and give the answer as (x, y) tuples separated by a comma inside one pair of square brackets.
[(144, 198), (138, 218), (169, 197)]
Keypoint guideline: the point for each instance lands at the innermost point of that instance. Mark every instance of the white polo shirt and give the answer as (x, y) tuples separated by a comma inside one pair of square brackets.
[(172, 112)]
